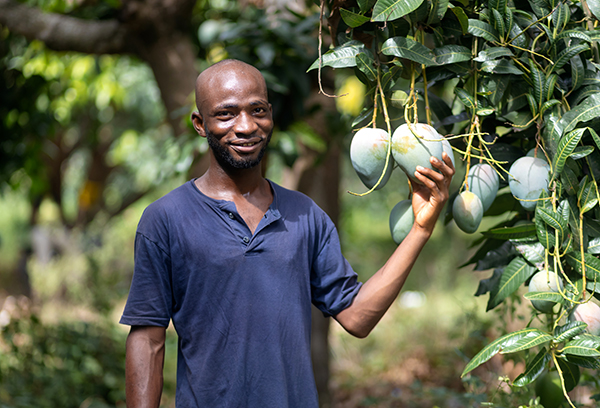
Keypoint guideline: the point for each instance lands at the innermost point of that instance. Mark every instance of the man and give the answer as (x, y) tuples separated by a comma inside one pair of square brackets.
[(235, 261)]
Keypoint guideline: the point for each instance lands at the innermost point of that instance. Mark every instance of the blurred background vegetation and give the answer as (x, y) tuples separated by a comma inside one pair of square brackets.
[(90, 136)]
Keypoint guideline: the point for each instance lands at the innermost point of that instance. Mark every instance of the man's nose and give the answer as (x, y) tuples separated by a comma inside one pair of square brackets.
[(245, 124)]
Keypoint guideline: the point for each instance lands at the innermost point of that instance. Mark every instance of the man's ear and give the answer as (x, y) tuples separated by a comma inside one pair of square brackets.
[(198, 123)]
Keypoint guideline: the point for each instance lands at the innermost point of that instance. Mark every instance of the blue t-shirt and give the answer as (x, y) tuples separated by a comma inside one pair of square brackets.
[(240, 303)]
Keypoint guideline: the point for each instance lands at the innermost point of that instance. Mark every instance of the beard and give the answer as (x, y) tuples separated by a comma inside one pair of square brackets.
[(226, 160)]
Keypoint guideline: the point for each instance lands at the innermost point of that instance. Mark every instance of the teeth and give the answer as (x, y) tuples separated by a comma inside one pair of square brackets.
[(248, 144)]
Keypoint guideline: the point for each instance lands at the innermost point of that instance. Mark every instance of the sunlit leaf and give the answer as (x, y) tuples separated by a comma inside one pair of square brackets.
[(548, 296), (340, 57), (501, 66), (389, 10), (449, 54), (568, 331), (531, 339), (584, 345), (482, 29), (493, 53), (495, 346), (410, 49)]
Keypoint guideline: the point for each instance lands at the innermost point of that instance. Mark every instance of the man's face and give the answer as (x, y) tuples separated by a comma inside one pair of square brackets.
[(235, 116)]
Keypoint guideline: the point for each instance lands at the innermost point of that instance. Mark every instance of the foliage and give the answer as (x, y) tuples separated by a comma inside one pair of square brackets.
[(59, 365), (523, 76)]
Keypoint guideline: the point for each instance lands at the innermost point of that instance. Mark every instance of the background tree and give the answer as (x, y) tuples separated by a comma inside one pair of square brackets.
[(87, 129)]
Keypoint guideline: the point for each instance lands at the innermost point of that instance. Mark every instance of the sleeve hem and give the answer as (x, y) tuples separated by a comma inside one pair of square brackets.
[(144, 321)]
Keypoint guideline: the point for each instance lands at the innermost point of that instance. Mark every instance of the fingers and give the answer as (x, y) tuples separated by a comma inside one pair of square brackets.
[(437, 181)]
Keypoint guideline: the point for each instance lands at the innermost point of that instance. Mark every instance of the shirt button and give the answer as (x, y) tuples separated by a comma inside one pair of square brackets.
[(246, 240), (231, 215)]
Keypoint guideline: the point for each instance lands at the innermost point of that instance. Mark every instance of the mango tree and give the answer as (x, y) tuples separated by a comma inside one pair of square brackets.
[(514, 85)]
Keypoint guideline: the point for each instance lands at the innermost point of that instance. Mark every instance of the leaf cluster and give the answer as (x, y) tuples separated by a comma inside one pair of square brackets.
[(524, 75)]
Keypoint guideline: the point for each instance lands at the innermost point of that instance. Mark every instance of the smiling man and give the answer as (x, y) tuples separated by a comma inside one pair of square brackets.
[(235, 261)]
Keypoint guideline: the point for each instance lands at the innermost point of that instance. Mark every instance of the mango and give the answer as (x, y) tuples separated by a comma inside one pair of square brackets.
[(589, 313), (483, 182), (446, 147), (528, 178), (467, 211), (544, 282), (402, 218), (410, 151), (368, 151), (548, 387)]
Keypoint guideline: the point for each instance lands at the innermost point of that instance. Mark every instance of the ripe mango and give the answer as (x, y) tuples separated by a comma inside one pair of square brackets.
[(589, 313), (467, 211), (402, 218), (528, 178), (544, 282), (368, 151), (410, 151), (483, 182)]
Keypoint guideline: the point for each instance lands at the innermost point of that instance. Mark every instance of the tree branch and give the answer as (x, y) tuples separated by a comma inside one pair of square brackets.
[(64, 33)]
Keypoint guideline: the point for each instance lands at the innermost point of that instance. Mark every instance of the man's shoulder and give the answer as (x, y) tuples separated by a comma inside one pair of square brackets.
[(295, 198), (170, 203)]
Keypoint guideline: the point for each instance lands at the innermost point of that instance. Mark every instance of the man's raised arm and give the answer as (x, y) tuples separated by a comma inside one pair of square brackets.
[(379, 292)]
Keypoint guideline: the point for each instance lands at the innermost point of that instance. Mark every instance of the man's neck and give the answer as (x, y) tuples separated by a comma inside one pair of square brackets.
[(232, 184)]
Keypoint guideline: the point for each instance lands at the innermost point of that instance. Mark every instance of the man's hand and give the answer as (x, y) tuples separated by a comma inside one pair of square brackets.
[(429, 198)]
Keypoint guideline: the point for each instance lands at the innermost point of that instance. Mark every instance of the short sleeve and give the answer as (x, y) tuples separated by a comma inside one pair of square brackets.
[(334, 283), (150, 298)]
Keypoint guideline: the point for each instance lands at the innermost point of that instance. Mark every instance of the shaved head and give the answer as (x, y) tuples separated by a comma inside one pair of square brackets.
[(222, 72)]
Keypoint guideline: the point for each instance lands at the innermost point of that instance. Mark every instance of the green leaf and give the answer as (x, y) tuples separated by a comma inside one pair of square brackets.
[(554, 220), (595, 137), (594, 246), (498, 84), (531, 339), (462, 18), (534, 368), (498, 21), (568, 331), (550, 87), (587, 197), (569, 180), (340, 57), (549, 296), (581, 151), (504, 233), (495, 346), (482, 29), (449, 54), (438, 9), (583, 361), (353, 19), (566, 145), (365, 64), (570, 374), (577, 72), (513, 276), (567, 54), (594, 6), (389, 10), (545, 236), (501, 66), (465, 98), (587, 110), (538, 79), (573, 34), (410, 49), (561, 16), (533, 252), (493, 53), (584, 345), (364, 115), (592, 264)]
